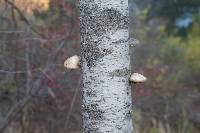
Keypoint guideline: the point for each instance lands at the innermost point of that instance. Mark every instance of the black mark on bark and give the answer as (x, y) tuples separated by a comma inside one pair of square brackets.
[(125, 72)]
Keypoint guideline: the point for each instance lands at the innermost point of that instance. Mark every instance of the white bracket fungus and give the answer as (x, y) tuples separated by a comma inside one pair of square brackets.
[(72, 62), (137, 78)]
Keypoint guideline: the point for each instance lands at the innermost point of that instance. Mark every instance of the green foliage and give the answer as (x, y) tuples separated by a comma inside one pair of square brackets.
[(168, 55), (9, 86), (172, 52), (169, 10), (192, 53)]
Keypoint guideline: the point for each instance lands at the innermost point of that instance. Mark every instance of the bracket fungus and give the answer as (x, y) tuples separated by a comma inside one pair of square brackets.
[(137, 78), (72, 62)]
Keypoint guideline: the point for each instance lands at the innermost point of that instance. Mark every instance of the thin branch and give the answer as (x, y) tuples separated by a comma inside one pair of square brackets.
[(37, 39), (20, 104), (11, 72), (34, 70), (72, 106), (13, 111), (23, 17), (28, 69), (11, 31)]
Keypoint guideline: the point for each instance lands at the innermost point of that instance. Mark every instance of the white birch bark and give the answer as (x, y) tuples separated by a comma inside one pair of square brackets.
[(105, 65)]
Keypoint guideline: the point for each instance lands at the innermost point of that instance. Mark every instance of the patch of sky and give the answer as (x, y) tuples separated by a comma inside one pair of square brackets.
[(184, 21)]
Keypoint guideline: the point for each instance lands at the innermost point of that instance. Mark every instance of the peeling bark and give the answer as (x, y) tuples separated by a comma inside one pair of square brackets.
[(105, 65)]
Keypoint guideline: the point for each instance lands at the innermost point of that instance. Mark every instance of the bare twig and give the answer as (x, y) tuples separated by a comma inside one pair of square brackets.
[(72, 106), (36, 39), (23, 17), (13, 111), (11, 72), (28, 69), (20, 104), (19, 11), (11, 31)]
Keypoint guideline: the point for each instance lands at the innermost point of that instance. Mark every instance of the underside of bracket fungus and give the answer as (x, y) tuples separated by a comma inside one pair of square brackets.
[(72, 62), (137, 78)]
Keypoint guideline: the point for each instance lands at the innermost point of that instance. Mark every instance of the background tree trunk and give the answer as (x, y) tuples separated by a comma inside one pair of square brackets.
[(105, 66)]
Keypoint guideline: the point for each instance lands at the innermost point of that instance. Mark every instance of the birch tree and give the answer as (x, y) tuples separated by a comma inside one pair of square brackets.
[(105, 65)]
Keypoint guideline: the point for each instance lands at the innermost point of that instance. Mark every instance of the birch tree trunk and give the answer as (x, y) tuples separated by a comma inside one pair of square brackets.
[(105, 65)]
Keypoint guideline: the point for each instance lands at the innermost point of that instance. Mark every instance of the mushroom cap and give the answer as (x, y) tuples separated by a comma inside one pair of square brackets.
[(72, 62), (137, 78)]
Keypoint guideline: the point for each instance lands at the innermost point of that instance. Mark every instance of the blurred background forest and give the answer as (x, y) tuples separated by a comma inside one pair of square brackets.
[(38, 95)]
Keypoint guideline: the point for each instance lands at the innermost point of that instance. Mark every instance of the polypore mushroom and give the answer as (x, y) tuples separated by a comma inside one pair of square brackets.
[(72, 62), (137, 78)]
